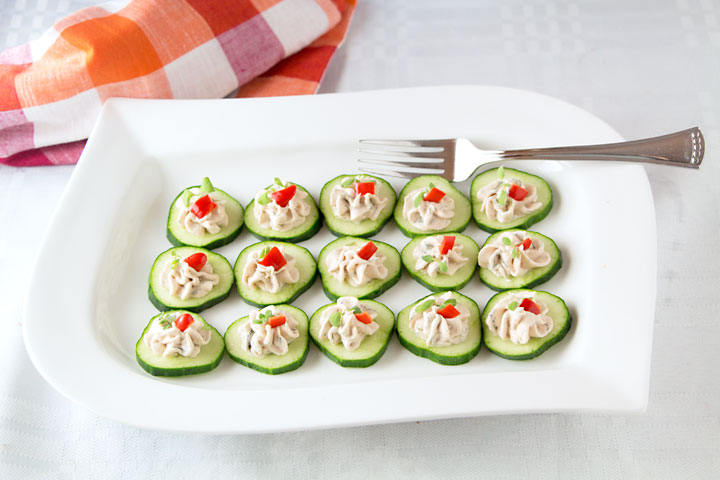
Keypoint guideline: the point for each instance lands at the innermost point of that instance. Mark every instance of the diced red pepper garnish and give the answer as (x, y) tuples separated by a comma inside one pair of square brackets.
[(447, 244), (283, 197), (448, 311), (184, 321), (203, 206), (517, 192), (530, 306), (367, 251), (525, 244), (196, 261), (364, 317), (276, 321), (361, 188), (434, 195), (274, 258)]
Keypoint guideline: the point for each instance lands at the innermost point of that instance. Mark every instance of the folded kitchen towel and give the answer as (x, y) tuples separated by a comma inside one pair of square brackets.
[(52, 89)]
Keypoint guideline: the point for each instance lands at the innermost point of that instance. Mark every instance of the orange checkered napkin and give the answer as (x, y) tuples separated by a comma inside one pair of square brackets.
[(52, 89)]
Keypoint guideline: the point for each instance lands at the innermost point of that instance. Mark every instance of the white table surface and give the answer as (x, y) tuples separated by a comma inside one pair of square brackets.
[(647, 67)]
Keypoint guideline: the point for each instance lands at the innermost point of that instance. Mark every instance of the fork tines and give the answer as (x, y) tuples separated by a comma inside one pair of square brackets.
[(408, 158)]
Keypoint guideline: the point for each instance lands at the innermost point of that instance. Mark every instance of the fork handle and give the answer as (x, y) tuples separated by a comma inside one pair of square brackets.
[(683, 149)]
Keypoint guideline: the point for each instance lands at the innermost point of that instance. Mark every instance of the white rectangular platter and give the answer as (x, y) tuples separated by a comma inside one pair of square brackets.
[(88, 301)]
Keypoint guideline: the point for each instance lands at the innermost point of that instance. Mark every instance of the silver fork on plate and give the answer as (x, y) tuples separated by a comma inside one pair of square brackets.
[(456, 159)]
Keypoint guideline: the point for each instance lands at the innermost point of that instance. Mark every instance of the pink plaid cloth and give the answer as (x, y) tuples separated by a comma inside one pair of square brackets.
[(52, 89)]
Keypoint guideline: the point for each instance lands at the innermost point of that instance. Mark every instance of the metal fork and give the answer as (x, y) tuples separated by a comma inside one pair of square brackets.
[(456, 159)]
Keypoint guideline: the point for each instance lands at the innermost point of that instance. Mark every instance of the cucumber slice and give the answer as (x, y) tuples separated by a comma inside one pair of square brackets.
[(534, 277), (364, 228), (557, 310), (462, 206), (304, 261), (307, 229), (270, 364), (372, 347), (544, 194), (457, 354), (160, 296), (175, 366), (374, 288), (441, 283), (178, 236)]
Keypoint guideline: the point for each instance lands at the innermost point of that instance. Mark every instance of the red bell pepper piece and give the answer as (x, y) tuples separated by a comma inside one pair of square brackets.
[(276, 321), (361, 188), (367, 251), (434, 195), (447, 244), (530, 306), (448, 311), (364, 317), (525, 244), (203, 206), (274, 259), (283, 197), (184, 321), (196, 261), (517, 192)]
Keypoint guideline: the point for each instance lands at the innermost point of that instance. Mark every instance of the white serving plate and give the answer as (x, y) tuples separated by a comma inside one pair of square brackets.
[(88, 298)]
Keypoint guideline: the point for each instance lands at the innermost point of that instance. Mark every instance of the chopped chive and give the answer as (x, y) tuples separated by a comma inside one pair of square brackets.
[(450, 301), (514, 252), (206, 186), (443, 267), (347, 182), (263, 199), (501, 172), (335, 319), (512, 306), (418, 199), (506, 241), (186, 196), (428, 258), (278, 181), (356, 309), (502, 197), (425, 305)]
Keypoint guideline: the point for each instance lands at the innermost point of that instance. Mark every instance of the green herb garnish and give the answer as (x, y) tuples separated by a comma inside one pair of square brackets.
[(263, 199), (502, 197), (335, 319), (506, 241), (431, 185), (450, 301), (418, 199), (425, 305), (278, 181), (186, 196), (356, 309), (347, 182), (428, 258), (501, 172), (206, 186), (165, 323), (258, 321), (512, 306), (514, 252), (443, 267)]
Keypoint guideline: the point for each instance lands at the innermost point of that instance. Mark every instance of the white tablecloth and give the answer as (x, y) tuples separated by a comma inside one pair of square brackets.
[(646, 67)]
